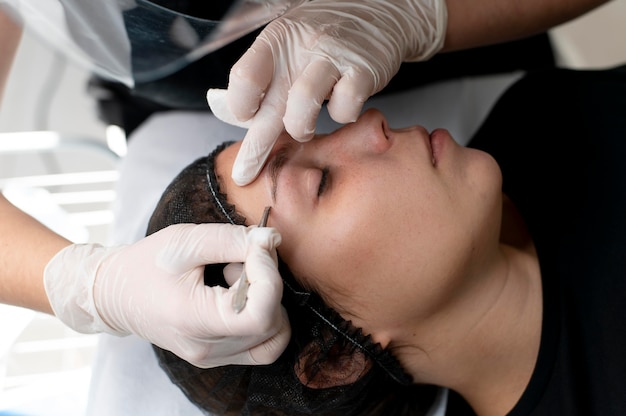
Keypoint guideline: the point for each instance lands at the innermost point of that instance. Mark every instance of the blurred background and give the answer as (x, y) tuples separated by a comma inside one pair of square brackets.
[(58, 162)]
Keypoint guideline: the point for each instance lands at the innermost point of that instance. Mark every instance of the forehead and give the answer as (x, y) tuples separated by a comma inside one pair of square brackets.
[(248, 200), (225, 160)]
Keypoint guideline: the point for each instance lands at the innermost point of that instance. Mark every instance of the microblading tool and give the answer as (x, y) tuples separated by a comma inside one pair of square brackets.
[(241, 295)]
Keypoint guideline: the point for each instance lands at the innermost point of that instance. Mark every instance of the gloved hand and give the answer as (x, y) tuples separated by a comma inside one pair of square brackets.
[(155, 289), (344, 51)]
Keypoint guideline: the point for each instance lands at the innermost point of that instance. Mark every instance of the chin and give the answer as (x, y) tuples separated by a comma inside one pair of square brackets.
[(487, 196), (486, 171)]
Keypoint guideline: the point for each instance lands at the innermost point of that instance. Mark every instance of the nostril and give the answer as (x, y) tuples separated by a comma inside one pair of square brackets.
[(385, 128), (371, 131), (380, 138)]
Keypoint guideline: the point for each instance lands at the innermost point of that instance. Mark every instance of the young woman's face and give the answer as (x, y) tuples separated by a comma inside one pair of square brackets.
[(384, 223)]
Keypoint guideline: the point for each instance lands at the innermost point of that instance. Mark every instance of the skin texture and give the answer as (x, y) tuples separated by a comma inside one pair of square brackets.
[(10, 34), (397, 233), (405, 240), (485, 22)]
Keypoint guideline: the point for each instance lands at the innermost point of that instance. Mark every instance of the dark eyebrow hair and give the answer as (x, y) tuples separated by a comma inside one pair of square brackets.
[(275, 165)]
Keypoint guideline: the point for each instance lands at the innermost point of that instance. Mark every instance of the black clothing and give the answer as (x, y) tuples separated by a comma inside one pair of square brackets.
[(560, 139)]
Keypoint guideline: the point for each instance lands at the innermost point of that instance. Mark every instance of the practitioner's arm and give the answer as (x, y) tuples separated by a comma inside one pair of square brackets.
[(10, 34), (26, 246), (345, 51), (486, 22), (153, 288)]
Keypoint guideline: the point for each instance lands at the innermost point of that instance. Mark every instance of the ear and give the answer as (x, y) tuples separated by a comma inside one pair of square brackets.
[(340, 366)]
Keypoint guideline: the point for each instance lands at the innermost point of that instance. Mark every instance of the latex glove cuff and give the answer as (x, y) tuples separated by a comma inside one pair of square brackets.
[(69, 280)]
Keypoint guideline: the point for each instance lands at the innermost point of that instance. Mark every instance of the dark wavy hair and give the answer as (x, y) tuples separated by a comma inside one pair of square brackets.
[(329, 367)]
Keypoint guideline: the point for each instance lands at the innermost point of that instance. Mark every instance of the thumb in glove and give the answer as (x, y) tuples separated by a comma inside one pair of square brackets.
[(155, 289), (343, 51)]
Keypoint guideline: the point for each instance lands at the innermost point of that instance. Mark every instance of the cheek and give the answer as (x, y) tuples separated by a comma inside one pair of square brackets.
[(368, 239), (319, 253), (329, 259)]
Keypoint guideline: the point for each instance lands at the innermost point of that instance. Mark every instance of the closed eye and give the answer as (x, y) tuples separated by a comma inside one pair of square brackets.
[(323, 181)]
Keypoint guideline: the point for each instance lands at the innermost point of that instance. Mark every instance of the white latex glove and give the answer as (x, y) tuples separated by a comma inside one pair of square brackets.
[(344, 51), (155, 289)]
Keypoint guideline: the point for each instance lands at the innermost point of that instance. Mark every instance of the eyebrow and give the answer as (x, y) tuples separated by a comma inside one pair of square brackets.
[(275, 165)]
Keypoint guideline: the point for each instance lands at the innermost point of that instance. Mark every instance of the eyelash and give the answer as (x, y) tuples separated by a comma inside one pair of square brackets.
[(323, 181)]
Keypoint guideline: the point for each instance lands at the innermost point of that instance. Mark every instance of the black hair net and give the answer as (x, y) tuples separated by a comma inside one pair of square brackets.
[(329, 367)]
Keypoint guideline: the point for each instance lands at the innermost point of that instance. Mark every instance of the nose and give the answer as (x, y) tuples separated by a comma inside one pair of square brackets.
[(368, 134)]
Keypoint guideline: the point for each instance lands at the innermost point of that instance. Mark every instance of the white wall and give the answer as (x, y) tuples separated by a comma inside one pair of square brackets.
[(37, 72)]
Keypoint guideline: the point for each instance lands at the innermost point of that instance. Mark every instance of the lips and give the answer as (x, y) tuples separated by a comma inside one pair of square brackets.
[(432, 141), (437, 143), (429, 146)]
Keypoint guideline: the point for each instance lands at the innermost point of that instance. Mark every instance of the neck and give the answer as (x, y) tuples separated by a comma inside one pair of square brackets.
[(484, 345)]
